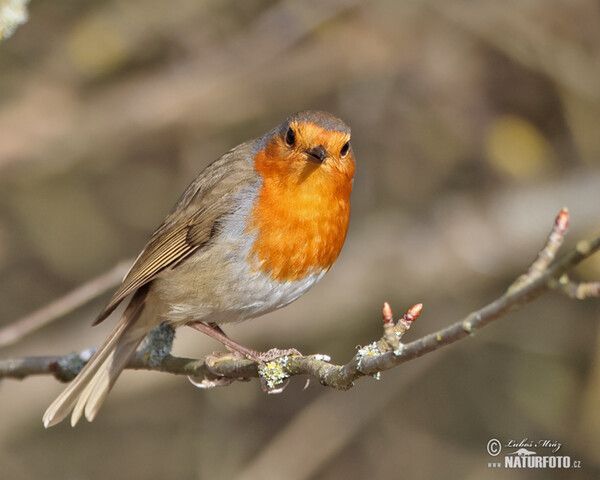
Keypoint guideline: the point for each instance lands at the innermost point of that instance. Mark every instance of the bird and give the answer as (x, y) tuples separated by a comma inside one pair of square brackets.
[(255, 230)]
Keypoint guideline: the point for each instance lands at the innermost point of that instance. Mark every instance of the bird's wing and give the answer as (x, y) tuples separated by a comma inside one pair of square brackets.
[(193, 221)]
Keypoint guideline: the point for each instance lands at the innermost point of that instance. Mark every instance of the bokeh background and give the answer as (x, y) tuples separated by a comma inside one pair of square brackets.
[(473, 124)]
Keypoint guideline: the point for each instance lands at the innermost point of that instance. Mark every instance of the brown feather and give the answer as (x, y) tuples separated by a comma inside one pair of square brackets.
[(71, 396), (192, 222)]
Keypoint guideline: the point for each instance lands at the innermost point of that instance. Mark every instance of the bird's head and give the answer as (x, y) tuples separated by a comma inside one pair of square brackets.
[(311, 148)]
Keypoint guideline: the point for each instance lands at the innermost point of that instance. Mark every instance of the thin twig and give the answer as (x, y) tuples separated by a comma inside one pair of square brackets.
[(578, 290), (548, 253), (63, 305)]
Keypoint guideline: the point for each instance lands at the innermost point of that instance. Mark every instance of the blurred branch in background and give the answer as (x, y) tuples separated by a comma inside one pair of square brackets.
[(556, 54), (13, 332), (217, 82), (384, 354)]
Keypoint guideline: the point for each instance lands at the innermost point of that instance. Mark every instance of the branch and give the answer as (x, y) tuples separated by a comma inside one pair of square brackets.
[(388, 352), (63, 305)]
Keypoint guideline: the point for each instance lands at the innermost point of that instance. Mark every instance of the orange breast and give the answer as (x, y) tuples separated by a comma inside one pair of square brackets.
[(301, 217)]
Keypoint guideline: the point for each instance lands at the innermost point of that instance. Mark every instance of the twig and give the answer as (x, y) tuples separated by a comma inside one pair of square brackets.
[(578, 290), (547, 254), (386, 353), (63, 305)]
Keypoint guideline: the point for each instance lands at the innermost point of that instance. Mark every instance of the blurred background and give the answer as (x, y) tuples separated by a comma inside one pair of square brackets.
[(473, 123)]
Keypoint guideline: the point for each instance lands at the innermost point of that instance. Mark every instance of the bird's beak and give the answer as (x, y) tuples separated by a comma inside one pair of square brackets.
[(317, 154)]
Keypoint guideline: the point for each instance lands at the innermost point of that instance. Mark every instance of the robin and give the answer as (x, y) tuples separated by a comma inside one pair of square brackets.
[(253, 232)]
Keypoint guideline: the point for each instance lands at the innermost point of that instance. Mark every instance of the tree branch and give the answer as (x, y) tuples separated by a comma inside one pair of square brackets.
[(13, 332), (384, 354)]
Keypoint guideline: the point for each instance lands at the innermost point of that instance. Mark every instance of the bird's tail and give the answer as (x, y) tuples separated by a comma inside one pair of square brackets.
[(87, 392)]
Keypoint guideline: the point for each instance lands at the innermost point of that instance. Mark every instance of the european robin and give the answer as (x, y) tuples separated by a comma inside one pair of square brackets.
[(253, 232)]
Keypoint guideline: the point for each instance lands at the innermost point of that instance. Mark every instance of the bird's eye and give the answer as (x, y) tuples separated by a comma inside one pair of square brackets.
[(290, 137), (345, 149)]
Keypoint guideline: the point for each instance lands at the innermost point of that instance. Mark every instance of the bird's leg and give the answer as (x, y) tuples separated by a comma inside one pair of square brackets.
[(214, 331)]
